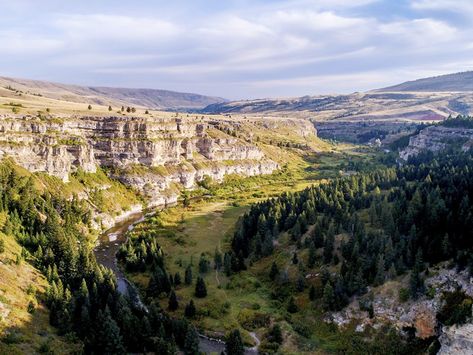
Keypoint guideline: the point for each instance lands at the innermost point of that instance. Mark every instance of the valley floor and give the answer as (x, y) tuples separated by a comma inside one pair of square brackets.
[(207, 224)]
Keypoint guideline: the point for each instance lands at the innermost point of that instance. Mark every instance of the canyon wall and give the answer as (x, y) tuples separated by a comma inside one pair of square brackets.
[(148, 154), (437, 139)]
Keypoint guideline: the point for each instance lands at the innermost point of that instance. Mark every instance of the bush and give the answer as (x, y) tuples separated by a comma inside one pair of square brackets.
[(456, 309), (403, 295), (31, 307)]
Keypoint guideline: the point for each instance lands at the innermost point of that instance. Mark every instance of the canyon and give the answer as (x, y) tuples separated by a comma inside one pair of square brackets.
[(155, 156)]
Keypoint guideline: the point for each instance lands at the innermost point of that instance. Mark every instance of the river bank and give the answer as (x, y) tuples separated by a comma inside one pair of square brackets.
[(105, 252)]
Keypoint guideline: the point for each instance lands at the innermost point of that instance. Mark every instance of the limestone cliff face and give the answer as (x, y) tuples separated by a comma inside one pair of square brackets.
[(457, 340), (436, 139), (180, 151)]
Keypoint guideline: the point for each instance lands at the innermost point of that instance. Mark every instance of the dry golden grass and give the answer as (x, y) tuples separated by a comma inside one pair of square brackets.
[(23, 332)]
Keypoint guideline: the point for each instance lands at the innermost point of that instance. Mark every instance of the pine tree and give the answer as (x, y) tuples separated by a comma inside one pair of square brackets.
[(312, 293), (217, 259), (108, 338), (380, 272), (300, 285), (109, 108), (328, 297), (275, 334), (173, 304), (200, 288), (234, 343), (177, 279), (416, 281), (292, 307), (190, 310), (312, 257), (191, 342), (274, 272), (188, 276), (203, 264)]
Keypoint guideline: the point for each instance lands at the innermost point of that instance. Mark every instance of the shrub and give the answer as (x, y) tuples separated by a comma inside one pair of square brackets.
[(403, 295), (456, 309)]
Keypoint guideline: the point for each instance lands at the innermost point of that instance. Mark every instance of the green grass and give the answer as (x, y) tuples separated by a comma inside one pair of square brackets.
[(209, 222)]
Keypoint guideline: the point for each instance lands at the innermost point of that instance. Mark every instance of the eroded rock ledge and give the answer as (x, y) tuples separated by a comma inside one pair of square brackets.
[(437, 139), (152, 154)]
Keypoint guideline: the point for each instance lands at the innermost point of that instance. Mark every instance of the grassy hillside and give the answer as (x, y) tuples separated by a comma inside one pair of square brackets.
[(150, 98), (24, 318)]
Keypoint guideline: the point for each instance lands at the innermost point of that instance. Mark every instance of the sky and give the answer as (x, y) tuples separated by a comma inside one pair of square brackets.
[(236, 49)]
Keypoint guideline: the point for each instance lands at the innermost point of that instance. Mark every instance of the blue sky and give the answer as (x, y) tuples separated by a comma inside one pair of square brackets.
[(236, 48)]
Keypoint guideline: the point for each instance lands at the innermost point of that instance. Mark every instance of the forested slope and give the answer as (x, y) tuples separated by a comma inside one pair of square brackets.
[(82, 298)]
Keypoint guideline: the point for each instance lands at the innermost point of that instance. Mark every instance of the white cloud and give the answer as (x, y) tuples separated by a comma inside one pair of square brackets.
[(464, 7), (13, 43), (100, 27), (302, 46)]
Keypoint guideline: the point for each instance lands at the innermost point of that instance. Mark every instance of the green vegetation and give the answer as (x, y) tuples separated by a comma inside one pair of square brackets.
[(50, 232), (292, 258), (458, 122), (456, 309)]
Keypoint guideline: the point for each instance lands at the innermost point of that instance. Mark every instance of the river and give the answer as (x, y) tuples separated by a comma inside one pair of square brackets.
[(105, 253)]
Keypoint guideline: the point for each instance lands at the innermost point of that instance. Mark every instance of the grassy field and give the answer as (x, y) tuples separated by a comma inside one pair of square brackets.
[(207, 224)]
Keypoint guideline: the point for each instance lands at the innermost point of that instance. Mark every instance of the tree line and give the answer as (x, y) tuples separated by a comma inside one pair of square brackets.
[(369, 227)]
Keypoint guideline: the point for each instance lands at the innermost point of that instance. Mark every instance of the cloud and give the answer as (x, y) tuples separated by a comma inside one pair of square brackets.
[(464, 7), (124, 29), (238, 48)]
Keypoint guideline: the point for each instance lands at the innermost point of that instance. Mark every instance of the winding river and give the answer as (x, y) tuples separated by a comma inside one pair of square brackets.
[(105, 253)]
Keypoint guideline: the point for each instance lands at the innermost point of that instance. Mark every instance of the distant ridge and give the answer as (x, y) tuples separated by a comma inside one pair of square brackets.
[(460, 82), (149, 98)]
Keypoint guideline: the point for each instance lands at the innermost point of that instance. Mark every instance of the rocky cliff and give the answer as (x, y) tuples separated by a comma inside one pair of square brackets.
[(151, 155), (456, 340), (418, 315), (436, 139)]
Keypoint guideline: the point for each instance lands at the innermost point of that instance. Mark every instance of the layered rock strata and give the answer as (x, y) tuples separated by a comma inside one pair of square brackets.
[(163, 151)]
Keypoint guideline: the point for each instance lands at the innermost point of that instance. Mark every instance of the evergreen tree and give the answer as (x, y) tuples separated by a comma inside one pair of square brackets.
[(218, 259), (200, 288), (188, 276), (292, 307), (190, 310), (108, 338), (177, 279), (173, 303), (380, 272), (275, 334), (203, 264), (416, 281), (328, 297), (274, 272), (234, 343), (191, 343), (312, 257), (312, 293)]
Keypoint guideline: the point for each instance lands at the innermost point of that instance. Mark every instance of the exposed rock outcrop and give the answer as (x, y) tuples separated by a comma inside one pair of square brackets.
[(419, 315), (436, 139), (456, 340), (149, 154)]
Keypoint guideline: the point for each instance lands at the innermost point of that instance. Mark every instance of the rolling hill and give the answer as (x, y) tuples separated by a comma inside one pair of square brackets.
[(458, 82), (149, 98)]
